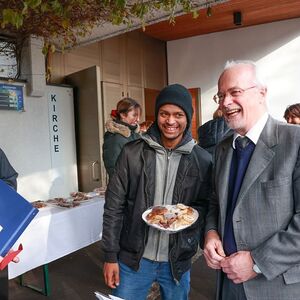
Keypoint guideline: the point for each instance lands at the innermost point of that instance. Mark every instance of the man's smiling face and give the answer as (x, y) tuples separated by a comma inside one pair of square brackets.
[(243, 101), (172, 123)]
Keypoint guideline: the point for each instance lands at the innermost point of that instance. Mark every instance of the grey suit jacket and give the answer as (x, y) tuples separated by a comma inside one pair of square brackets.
[(266, 220)]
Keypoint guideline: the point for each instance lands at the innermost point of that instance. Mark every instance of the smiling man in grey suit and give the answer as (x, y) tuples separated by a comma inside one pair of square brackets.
[(253, 224)]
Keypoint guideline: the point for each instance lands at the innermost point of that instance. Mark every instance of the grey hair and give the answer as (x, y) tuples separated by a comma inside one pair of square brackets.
[(259, 80)]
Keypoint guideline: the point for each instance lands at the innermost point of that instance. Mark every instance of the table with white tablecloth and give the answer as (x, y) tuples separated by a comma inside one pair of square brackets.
[(56, 232)]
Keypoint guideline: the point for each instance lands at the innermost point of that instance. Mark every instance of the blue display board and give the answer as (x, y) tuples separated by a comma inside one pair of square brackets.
[(11, 97)]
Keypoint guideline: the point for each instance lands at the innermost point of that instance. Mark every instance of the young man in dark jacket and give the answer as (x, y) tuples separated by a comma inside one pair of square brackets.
[(166, 166)]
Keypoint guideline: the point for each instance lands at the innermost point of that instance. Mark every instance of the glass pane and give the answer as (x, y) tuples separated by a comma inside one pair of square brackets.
[(8, 60)]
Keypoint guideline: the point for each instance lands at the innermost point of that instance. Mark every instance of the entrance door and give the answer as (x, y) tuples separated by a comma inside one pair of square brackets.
[(89, 127), (150, 97)]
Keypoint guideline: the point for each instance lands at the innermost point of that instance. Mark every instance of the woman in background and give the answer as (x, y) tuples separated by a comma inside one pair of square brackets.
[(121, 128), (292, 114)]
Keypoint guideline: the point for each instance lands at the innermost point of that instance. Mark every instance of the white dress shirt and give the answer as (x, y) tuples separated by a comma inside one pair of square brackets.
[(254, 133)]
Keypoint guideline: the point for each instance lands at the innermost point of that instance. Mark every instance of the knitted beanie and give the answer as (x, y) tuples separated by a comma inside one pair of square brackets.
[(176, 94)]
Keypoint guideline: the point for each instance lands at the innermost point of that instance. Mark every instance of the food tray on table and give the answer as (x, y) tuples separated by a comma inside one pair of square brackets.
[(39, 204), (81, 197), (63, 202)]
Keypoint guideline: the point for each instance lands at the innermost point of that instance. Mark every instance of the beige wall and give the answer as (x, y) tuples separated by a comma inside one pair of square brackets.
[(132, 59)]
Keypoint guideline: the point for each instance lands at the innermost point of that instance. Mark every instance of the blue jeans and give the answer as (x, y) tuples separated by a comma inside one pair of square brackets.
[(135, 285)]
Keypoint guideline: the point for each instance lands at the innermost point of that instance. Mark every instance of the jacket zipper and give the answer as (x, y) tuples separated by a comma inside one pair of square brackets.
[(168, 152), (171, 263)]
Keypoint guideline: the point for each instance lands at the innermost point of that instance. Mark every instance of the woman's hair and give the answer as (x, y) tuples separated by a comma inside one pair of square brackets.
[(124, 106), (217, 114), (292, 111)]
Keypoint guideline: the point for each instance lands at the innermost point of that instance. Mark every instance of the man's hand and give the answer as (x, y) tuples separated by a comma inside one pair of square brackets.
[(238, 267), (15, 260), (213, 250), (111, 274)]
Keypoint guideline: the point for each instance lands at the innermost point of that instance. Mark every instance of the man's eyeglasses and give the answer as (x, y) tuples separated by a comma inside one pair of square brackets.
[(233, 92)]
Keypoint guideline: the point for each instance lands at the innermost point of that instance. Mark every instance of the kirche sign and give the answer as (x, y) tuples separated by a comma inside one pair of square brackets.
[(62, 144), (54, 122)]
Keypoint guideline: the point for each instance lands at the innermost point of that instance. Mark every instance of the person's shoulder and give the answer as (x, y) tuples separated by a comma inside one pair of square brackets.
[(2, 153), (227, 139), (285, 127), (114, 137), (201, 153), (135, 144), (281, 132), (207, 127)]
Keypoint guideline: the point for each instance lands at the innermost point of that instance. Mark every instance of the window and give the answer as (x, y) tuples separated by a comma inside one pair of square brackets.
[(8, 57)]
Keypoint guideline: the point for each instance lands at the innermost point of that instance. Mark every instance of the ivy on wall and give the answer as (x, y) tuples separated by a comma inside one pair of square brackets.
[(63, 21)]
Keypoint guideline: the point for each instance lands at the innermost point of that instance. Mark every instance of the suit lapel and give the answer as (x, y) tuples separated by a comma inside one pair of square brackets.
[(262, 156), (223, 164)]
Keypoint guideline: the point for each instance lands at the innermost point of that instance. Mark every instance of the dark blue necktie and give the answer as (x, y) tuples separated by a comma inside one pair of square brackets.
[(242, 142), (240, 160)]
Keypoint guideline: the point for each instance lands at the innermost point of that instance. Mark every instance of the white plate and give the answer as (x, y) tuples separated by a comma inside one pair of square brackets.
[(169, 230)]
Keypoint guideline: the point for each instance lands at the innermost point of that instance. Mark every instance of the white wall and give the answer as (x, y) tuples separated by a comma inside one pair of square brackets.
[(275, 47), (25, 138)]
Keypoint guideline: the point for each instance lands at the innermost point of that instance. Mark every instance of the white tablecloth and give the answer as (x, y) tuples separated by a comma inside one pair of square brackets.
[(56, 232)]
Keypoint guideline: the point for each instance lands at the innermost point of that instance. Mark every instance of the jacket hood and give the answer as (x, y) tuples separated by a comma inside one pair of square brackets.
[(182, 148), (154, 133), (120, 127)]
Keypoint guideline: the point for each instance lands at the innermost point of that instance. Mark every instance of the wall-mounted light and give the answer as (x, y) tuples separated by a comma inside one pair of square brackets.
[(237, 18)]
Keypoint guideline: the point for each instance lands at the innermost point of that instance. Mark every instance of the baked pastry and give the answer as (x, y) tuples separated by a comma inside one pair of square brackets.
[(171, 216), (38, 204), (79, 196)]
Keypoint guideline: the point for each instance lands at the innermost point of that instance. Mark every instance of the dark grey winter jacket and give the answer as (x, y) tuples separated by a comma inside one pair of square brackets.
[(7, 172), (117, 135), (131, 191)]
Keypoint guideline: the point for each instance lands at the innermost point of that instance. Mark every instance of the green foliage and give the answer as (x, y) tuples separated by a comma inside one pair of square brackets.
[(12, 17), (68, 19)]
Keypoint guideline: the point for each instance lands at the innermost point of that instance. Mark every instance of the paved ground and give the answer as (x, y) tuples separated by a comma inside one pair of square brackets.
[(77, 276)]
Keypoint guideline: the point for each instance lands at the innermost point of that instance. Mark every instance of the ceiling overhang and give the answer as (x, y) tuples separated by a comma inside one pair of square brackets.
[(108, 30), (253, 12), (214, 16)]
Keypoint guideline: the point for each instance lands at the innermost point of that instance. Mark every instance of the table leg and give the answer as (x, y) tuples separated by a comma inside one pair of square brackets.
[(46, 280), (46, 290)]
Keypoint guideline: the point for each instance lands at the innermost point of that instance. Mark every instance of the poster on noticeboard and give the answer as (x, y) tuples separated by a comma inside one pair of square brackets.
[(11, 97)]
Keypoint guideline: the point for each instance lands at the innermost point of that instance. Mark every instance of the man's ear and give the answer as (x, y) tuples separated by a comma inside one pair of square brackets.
[(263, 91), (123, 115)]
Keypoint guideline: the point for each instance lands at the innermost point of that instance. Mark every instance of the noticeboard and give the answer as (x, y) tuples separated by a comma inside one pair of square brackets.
[(11, 97)]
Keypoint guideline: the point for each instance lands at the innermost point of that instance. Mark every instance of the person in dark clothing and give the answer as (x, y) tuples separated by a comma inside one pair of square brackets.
[(9, 175), (165, 166), (213, 132), (121, 128)]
